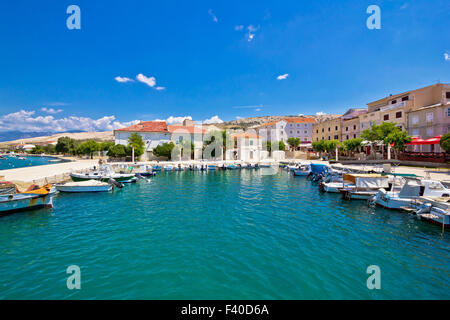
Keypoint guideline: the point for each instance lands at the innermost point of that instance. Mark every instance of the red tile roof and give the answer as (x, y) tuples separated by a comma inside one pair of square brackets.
[(186, 129), (147, 126)]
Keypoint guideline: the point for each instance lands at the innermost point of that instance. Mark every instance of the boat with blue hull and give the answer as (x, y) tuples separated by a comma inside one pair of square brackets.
[(12, 201)]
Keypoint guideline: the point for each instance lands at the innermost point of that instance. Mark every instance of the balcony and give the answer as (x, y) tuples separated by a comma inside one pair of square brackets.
[(402, 104)]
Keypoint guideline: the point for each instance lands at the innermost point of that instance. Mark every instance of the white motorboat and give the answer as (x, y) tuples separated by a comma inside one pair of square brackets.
[(103, 174), (13, 201), (84, 186), (435, 210), (407, 197), (362, 186)]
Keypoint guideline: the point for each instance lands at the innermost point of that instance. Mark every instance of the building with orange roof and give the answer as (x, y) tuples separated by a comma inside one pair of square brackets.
[(153, 133), (188, 131), (246, 146), (289, 127)]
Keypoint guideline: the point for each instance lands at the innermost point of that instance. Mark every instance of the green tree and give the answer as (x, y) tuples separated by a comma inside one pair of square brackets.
[(352, 144), (117, 151), (379, 133), (267, 145), (293, 142), (319, 146), (164, 150), (135, 141), (105, 145), (399, 139), (49, 149), (37, 150), (66, 145), (217, 140), (88, 147), (445, 142), (278, 145)]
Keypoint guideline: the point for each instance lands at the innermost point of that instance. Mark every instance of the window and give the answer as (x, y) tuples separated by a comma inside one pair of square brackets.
[(430, 131), (448, 112), (347, 137), (329, 138), (346, 128), (317, 131), (398, 114), (306, 132), (415, 120), (323, 130), (405, 98), (336, 128), (386, 117), (336, 137), (251, 142), (447, 95), (329, 129), (290, 132), (415, 133), (354, 127), (429, 116), (298, 132), (393, 101), (354, 136), (362, 125)]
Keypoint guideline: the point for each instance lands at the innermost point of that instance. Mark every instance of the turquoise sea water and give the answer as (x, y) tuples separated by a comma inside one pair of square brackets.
[(220, 235), (13, 162)]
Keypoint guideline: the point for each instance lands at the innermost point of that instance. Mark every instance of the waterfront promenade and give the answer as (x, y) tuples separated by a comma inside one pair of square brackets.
[(50, 173), (59, 172)]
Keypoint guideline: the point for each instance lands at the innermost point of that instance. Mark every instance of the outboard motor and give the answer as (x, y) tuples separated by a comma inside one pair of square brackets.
[(115, 183)]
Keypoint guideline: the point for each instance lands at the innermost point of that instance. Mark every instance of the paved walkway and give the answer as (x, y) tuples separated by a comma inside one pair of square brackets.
[(38, 174)]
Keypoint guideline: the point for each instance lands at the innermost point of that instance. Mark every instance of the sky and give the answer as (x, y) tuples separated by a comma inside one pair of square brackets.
[(211, 61)]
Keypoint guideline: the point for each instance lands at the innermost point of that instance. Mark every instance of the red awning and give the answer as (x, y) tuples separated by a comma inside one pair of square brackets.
[(419, 141)]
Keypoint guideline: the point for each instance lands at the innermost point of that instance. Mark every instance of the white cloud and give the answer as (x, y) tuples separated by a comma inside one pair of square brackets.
[(213, 16), (258, 109), (51, 110), (283, 76), (404, 6), (251, 31), (148, 81), (239, 27), (446, 56), (212, 120), (176, 120), (26, 121), (320, 113), (123, 79)]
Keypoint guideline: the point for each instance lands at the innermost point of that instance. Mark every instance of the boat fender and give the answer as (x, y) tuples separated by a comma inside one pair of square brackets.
[(425, 208)]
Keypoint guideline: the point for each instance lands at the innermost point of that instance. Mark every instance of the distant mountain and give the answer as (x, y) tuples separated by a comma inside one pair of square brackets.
[(245, 123), (18, 135)]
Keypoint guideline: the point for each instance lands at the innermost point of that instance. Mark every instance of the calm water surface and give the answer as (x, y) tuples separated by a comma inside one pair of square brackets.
[(220, 235), (13, 162)]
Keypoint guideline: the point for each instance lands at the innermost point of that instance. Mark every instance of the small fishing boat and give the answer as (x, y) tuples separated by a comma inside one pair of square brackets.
[(232, 167), (435, 210), (302, 170), (103, 174), (13, 201), (179, 167), (362, 186), (157, 168), (212, 167), (407, 197), (21, 158), (3, 158), (169, 167), (84, 186)]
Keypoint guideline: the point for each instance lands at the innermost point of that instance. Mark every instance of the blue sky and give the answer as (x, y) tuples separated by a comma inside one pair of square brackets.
[(211, 58)]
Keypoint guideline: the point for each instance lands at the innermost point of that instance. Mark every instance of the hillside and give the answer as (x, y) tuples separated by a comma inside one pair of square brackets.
[(257, 121), (101, 136)]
